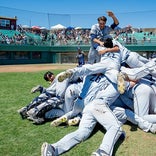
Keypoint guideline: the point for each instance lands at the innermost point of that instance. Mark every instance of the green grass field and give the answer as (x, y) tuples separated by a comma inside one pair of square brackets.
[(21, 138)]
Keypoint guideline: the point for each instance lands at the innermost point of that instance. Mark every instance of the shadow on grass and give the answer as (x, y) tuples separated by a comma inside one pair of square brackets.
[(98, 127), (122, 137), (118, 143)]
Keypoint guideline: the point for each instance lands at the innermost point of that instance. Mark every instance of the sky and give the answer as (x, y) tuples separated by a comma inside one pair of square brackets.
[(80, 13)]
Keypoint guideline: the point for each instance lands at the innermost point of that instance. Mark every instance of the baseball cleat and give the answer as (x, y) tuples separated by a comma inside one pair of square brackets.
[(99, 152), (64, 75), (36, 89), (74, 121), (121, 85), (47, 150), (36, 121), (122, 136), (58, 121), (23, 112), (153, 129)]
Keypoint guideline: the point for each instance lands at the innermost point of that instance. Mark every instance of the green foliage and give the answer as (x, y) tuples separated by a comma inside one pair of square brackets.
[(21, 138)]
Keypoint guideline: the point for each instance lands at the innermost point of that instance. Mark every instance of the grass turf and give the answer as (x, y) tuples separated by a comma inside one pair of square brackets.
[(21, 138)]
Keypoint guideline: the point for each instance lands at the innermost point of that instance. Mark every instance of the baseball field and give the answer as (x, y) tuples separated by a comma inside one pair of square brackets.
[(22, 138)]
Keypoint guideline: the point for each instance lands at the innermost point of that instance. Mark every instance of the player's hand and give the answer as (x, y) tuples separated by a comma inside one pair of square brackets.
[(36, 89), (101, 44), (110, 13), (132, 84)]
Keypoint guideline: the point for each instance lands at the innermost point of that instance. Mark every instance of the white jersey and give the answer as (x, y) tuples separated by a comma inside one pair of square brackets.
[(100, 33), (124, 52), (58, 88), (91, 85), (113, 59)]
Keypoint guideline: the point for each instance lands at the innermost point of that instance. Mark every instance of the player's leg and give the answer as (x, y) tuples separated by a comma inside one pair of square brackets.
[(41, 109), (123, 115), (121, 108), (137, 73), (153, 100), (71, 93), (86, 126), (92, 55), (103, 115), (36, 101), (135, 60), (41, 98), (145, 125), (142, 102), (53, 113), (79, 102), (77, 108), (120, 114), (107, 119)]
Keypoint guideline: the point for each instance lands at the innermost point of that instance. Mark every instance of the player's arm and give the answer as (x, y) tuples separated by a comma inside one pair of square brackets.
[(98, 41), (93, 36), (115, 20), (114, 49)]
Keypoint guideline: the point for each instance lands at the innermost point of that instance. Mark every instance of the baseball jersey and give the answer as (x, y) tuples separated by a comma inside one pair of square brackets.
[(98, 33), (124, 52)]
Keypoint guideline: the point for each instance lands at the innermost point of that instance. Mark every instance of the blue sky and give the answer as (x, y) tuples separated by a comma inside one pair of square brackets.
[(83, 13)]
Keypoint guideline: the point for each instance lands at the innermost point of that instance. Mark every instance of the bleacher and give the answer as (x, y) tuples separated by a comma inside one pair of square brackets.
[(26, 37), (137, 38), (9, 33), (32, 38)]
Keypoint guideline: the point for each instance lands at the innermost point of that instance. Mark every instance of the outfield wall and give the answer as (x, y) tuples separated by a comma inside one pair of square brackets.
[(27, 54)]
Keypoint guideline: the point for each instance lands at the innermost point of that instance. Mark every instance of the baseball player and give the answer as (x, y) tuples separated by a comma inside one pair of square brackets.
[(91, 114), (144, 106), (50, 98), (48, 76), (56, 107), (72, 92), (148, 70), (98, 33), (132, 59), (112, 60), (80, 57), (91, 85), (123, 112), (109, 65), (95, 111)]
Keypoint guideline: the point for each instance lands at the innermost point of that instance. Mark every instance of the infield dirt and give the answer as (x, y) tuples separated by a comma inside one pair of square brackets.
[(34, 67)]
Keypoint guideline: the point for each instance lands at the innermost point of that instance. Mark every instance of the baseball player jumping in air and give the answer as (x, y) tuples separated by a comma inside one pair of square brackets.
[(98, 33)]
